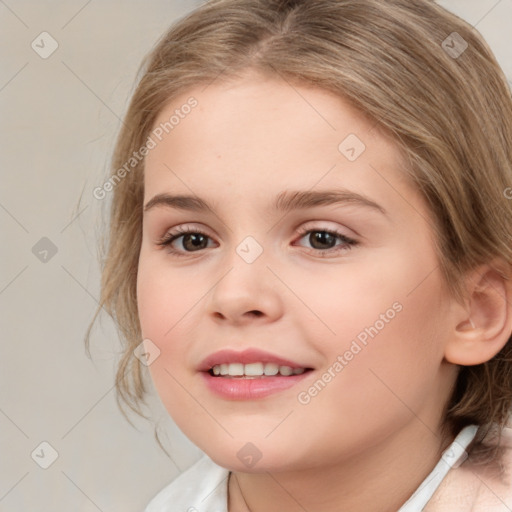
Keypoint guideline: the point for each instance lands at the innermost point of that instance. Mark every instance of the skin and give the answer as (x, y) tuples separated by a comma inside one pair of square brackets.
[(377, 424)]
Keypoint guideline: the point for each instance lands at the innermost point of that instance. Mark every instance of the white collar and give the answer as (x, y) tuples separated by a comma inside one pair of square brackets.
[(204, 486), (452, 457)]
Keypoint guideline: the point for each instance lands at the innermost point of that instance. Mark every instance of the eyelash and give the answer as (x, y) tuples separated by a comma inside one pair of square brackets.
[(170, 237)]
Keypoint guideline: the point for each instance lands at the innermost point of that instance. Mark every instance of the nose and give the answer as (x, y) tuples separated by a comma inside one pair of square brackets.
[(246, 292)]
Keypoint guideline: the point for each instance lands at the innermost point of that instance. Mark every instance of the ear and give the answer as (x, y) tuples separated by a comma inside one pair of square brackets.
[(483, 324)]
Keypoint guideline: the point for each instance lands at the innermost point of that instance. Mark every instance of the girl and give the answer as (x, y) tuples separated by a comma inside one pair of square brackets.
[(310, 249)]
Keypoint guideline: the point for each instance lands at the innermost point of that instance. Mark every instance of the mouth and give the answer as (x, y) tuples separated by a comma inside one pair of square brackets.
[(254, 370), (250, 374)]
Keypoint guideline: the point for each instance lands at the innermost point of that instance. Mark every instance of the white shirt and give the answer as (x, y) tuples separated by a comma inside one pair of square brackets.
[(204, 486)]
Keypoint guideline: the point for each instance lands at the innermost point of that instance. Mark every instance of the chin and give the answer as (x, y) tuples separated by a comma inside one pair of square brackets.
[(239, 454)]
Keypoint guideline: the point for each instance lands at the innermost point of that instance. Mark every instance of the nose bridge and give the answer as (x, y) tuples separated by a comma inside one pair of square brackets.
[(250, 249), (246, 286), (247, 263)]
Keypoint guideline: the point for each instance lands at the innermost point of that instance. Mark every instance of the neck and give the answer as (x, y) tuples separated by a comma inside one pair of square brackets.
[(380, 479)]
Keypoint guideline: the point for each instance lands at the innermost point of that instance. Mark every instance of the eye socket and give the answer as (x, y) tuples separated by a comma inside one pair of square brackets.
[(196, 237)]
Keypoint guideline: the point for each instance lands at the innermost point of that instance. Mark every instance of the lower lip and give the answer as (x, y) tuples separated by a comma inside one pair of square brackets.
[(238, 388)]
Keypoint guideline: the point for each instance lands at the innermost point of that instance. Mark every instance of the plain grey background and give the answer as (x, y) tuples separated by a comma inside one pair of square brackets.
[(59, 116)]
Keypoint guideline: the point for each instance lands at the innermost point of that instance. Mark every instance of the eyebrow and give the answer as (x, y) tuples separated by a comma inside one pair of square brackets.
[(286, 201)]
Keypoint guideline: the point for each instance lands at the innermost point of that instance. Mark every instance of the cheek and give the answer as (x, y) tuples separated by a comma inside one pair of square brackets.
[(386, 304), (390, 324), (158, 307), (164, 298), (167, 300)]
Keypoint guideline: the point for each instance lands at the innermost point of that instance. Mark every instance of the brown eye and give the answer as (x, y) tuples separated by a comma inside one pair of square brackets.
[(192, 241), (323, 241)]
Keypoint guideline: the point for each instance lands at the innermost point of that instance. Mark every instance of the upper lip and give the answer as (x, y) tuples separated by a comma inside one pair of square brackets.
[(247, 356)]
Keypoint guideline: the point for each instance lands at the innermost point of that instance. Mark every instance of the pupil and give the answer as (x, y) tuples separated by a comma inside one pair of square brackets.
[(321, 236), (196, 240)]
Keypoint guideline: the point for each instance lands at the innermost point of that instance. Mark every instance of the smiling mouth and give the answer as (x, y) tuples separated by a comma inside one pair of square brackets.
[(256, 370)]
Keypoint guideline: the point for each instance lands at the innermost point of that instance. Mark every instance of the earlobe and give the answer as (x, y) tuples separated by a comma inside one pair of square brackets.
[(483, 325)]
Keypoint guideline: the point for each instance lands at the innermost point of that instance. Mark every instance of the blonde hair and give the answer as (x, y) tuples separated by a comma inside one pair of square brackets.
[(402, 63)]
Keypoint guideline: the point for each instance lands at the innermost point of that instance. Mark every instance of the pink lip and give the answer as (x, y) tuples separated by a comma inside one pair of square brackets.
[(239, 388)]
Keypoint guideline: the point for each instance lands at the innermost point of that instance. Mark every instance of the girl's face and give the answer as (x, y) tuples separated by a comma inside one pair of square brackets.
[(314, 254)]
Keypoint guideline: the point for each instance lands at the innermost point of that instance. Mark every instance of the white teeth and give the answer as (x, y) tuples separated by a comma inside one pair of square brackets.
[(254, 370), (271, 369), (285, 370), (236, 369)]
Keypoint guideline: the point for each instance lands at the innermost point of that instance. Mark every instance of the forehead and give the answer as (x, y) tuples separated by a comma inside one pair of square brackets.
[(254, 137)]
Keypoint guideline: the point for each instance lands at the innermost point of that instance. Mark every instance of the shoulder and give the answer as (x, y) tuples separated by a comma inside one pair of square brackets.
[(201, 487), (478, 487)]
